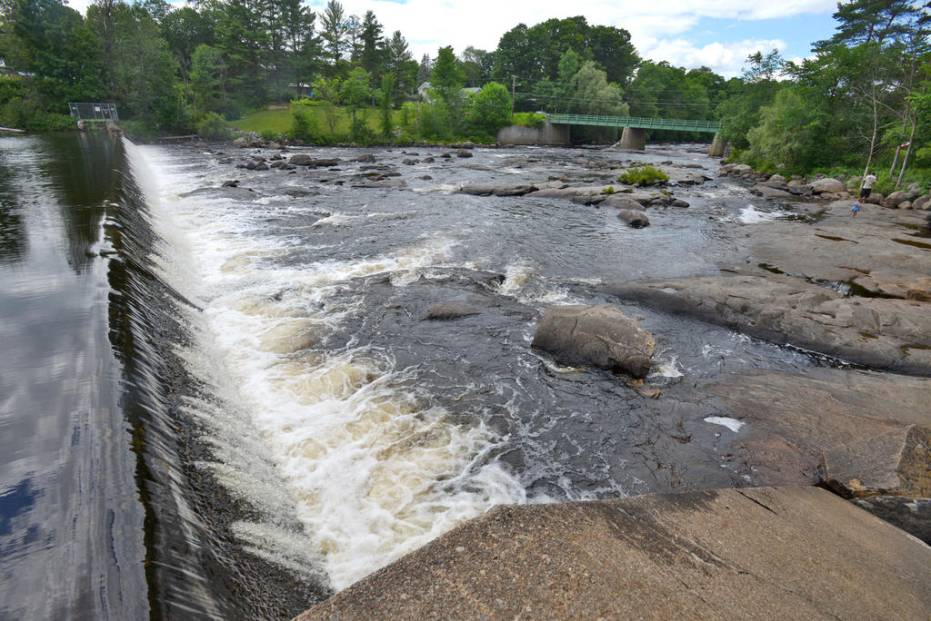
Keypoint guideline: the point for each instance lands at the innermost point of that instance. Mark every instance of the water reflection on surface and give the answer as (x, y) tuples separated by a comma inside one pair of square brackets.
[(70, 521)]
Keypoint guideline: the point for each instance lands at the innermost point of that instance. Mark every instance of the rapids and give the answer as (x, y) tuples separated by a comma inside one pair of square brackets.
[(286, 422)]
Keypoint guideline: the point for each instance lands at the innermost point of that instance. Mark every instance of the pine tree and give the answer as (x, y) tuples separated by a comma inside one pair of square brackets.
[(373, 54), (333, 31)]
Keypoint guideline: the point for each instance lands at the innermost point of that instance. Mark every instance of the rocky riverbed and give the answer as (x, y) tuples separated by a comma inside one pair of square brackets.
[(408, 337)]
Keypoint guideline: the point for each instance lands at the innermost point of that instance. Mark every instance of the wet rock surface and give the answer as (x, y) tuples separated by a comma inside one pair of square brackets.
[(601, 336), (882, 333)]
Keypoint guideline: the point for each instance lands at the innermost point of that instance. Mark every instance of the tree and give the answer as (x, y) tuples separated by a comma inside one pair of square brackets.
[(333, 32), (400, 63), (612, 50), (533, 54), (788, 135), (208, 83), (385, 97), (424, 70), (356, 91), (300, 41), (490, 109), (330, 92), (372, 58), (447, 77), (184, 29), (477, 65), (145, 71), (593, 94), (873, 21), (53, 42)]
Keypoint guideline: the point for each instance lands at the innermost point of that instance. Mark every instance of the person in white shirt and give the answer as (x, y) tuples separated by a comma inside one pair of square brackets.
[(867, 188)]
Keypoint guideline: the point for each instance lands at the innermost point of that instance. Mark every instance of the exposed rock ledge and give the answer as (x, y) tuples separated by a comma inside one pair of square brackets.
[(881, 333), (766, 553)]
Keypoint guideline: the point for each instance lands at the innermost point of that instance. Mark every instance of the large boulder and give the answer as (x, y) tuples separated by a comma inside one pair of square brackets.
[(875, 198), (302, 159), (635, 218), (769, 191), (497, 190), (600, 336), (827, 185), (622, 202), (897, 198), (776, 181)]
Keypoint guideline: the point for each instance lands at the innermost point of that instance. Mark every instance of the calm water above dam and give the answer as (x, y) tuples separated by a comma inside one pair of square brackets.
[(223, 402)]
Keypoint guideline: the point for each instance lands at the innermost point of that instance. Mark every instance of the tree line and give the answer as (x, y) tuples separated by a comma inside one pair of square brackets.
[(862, 93)]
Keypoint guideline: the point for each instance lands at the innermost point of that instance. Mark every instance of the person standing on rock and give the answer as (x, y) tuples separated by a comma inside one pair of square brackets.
[(866, 188)]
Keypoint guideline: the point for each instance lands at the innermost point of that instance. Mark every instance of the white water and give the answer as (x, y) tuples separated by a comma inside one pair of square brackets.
[(326, 440), (731, 423), (751, 215)]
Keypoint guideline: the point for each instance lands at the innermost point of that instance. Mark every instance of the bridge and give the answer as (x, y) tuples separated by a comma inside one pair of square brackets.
[(634, 135), (636, 122)]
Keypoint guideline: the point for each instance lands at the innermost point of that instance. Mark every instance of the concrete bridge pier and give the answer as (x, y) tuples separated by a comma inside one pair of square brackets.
[(633, 139), (718, 147)]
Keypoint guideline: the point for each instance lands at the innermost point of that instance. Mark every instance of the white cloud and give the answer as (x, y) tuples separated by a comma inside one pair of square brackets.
[(725, 58)]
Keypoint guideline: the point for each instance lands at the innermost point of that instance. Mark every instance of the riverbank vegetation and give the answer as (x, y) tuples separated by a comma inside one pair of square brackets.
[(282, 70)]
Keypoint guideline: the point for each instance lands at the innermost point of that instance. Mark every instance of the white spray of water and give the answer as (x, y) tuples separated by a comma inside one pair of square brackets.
[(334, 441), (751, 215)]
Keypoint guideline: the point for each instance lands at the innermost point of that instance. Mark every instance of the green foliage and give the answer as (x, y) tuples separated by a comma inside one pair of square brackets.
[(447, 78), (645, 175), (213, 127), (534, 53), (787, 136), (207, 87), (608, 190), (490, 109), (384, 96), (529, 119), (303, 124)]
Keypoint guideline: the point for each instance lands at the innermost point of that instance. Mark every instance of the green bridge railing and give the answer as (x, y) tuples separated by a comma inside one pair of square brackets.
[(682, 125)]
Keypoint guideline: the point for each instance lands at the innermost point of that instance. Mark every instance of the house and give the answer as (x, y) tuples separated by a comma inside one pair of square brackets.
[(423, 91)]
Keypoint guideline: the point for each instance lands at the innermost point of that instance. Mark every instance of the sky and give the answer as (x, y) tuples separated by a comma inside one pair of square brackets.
[(691, 33)]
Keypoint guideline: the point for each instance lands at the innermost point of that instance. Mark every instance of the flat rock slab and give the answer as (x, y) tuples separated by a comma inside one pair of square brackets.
[(879, 252), (766, 553), (881, 333)]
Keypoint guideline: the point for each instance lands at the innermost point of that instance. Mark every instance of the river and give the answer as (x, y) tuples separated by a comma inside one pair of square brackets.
[(224, 402)]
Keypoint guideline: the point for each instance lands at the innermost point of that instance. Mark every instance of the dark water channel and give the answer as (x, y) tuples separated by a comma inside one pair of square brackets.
[(225, 403)]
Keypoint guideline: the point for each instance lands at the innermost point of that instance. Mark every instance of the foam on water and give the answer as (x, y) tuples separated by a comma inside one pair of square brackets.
[(751, 215), (731, 423), (349, 464)]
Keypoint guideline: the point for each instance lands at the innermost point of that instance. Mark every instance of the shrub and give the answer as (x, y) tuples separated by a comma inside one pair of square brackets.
[(213, 127), (303, 125), (528, 119), (360, 132), (489, 109), (608, 189), (645, 175), (269, 134)]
